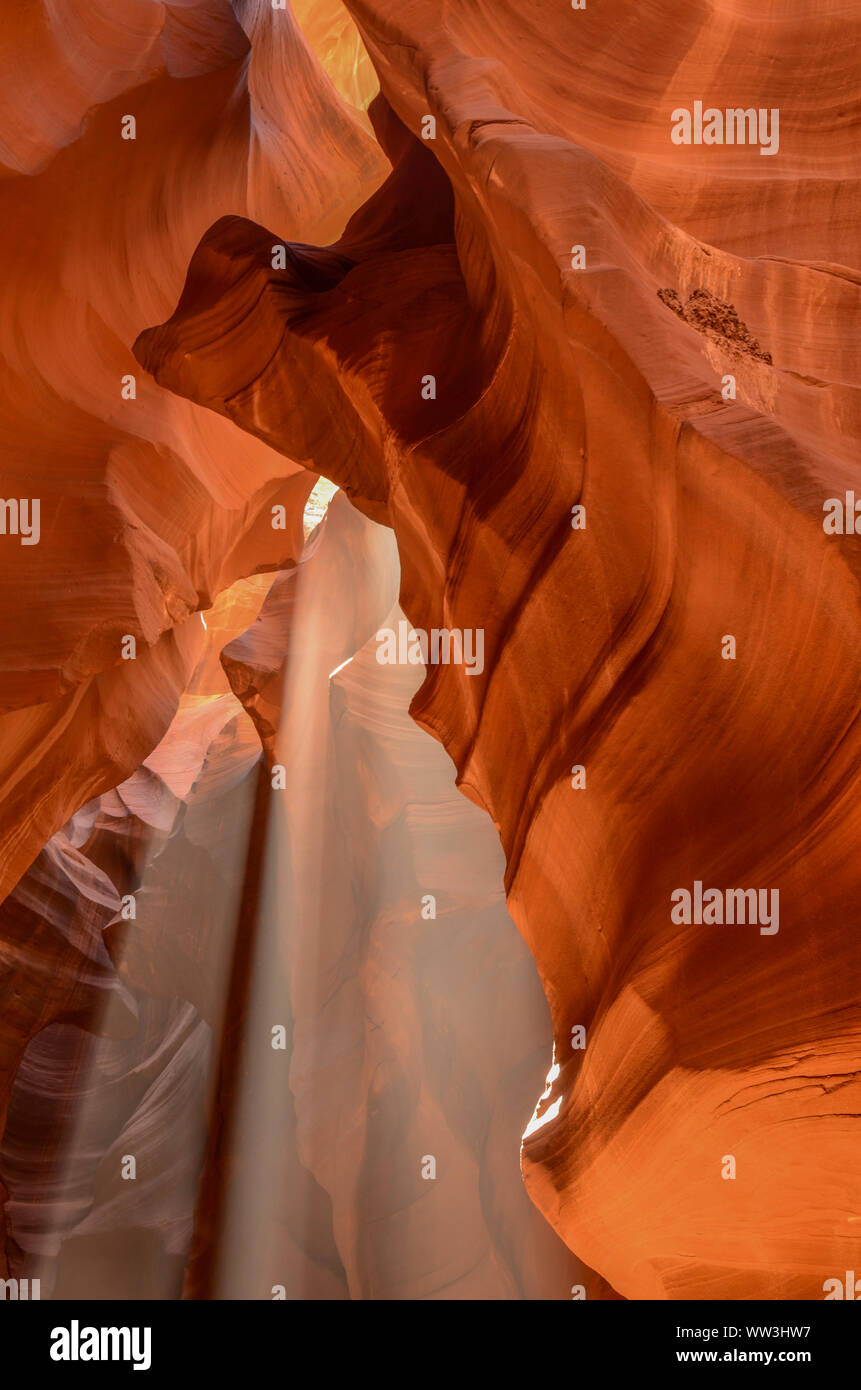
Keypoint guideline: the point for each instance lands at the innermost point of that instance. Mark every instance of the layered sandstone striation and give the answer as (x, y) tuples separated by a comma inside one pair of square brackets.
[(149, 506), (582, 388), (531, 259)]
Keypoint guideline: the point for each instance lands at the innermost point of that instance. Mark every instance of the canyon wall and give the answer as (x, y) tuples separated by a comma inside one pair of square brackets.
[(584, 390), (549, 307)]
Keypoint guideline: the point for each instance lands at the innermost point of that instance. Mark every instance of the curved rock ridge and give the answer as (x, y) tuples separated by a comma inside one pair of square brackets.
[(468, 378), (62, 59), (148, 506), (608, 78)]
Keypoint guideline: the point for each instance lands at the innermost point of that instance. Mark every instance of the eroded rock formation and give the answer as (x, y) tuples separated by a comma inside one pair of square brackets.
[(594, 388), (560, 381), (149, 506)]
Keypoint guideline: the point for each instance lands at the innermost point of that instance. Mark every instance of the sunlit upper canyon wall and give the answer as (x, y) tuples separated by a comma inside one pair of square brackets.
[(583, 369), (149, 506)]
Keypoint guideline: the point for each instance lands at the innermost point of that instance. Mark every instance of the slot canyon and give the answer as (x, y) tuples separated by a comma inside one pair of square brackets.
[(333, 974)]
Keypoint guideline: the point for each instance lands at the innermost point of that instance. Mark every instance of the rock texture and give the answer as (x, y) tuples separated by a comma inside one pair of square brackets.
[(149, 505), (583, 389), (561, 383)]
